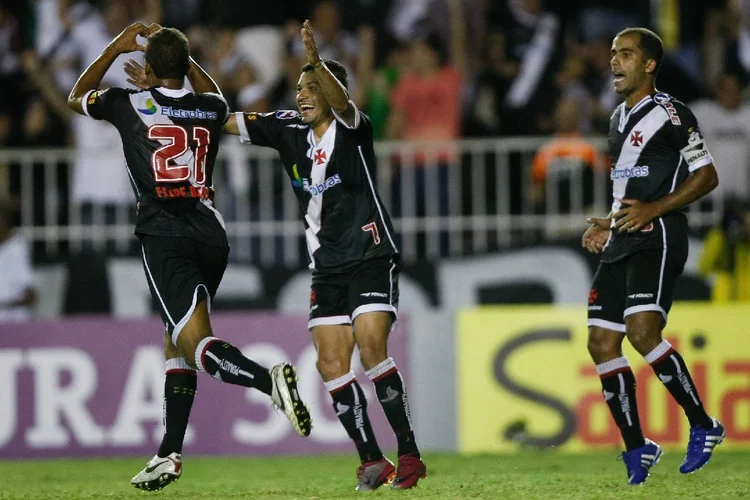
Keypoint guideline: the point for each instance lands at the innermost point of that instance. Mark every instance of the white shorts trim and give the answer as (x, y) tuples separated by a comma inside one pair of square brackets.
[(645, 307), (153, 283), (375, 307), (329, 320), (177, 364), (609, 325), (181, 324)]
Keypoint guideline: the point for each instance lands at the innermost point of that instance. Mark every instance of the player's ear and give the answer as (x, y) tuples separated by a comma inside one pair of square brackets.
[(650, 66)]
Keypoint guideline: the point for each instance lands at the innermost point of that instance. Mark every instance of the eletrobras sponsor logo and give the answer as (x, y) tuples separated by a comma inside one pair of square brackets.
[(628, 172)]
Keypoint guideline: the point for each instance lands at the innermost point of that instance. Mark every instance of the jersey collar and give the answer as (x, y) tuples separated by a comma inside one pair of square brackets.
[(625, 116), (175, 93)]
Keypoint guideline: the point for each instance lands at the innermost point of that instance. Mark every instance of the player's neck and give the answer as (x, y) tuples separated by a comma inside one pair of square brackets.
[(320, 129), (637, 96), (170, 83)]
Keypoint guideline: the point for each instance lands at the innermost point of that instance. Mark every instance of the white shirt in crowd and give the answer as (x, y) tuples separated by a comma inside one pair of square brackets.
[(727, 134), (15, 278)]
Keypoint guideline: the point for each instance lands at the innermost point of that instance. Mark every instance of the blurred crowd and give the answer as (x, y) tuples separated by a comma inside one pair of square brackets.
[(431, 70), (422, 69)]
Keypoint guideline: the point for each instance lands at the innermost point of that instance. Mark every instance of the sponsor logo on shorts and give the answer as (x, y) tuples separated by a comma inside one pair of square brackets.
[(374, 294), (595, 308), (641, 296)]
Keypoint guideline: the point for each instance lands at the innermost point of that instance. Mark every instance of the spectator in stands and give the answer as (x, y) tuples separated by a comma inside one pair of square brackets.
[(565, 166), (17, 294), (725, 258), (598, 81), (426, 103), (725, 122), (382, 83), (487, 114), (426, 106), (101, 187), (603, 18), (333, 42), (534, 37)]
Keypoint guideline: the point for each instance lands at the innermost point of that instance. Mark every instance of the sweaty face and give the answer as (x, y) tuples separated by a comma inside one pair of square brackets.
[(629, 64), (311, 101)]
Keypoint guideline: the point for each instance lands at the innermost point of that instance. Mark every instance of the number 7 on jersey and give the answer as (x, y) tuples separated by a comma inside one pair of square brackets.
[(373, 228)]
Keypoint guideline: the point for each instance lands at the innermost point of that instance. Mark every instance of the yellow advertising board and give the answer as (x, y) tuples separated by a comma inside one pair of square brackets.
[(525, 376)]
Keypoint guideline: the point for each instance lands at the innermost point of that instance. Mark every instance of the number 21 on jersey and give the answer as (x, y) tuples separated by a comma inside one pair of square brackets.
[(164, 159)]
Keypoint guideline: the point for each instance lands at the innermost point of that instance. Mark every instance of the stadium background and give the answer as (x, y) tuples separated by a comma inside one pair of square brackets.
[(490, 118)]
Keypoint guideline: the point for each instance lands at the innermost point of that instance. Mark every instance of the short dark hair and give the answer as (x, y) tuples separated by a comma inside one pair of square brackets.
[(650, 44), (168, 54), (338, 70)]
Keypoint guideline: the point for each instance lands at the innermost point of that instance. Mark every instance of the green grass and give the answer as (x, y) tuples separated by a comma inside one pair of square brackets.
[(522, 476)]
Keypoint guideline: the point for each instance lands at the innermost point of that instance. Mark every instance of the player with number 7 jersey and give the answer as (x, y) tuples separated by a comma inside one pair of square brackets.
[(326, 147)]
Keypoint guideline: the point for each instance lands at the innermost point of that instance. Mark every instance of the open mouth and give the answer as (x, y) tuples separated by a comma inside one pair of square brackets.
[(618, 77), (306, 108)]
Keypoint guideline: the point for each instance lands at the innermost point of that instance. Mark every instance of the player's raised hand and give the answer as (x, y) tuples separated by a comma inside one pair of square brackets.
[(127, 40), (635, 215), (136, 73), (308, 42)]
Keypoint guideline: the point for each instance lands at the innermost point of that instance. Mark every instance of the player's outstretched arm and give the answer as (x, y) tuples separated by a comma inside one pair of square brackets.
[(92, 76), (336, 94), (636, 215), (231, 127)]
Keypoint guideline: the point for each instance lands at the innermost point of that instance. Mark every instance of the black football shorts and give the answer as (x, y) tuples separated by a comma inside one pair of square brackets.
[(642, 281), (180, 273), (336, 299)]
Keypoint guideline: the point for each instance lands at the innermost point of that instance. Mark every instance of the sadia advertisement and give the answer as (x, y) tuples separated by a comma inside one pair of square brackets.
[(525, 379)]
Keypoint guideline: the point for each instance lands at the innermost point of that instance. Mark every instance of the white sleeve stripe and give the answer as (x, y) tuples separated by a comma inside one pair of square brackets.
[(242, 126), (357, 113), (702, 163), (84, 100)]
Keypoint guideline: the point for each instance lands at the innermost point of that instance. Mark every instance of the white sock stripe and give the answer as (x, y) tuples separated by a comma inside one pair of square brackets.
[(658, 352), (357, 421), (406, 403), (380, 368), (199, 352), (612, 365), (177, 364), (339, 382)]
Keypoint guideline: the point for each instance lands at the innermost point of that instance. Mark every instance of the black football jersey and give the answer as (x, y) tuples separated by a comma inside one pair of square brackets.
[(655, 146), (334, 182), (170, 139)]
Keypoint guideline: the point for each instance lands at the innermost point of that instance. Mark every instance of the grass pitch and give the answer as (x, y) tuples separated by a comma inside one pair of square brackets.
[(522, 476)]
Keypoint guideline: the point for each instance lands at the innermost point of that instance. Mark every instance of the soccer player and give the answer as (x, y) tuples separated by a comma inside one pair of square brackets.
[(660, 165), (170, 139), (327, 151)]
